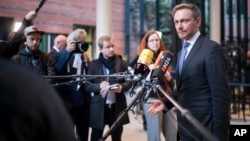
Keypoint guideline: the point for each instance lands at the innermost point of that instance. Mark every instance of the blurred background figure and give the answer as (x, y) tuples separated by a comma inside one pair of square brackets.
[(73, 60), (107, 103), (31, 56), (162, 122), (60, 43), (30, 109), (16, 39)]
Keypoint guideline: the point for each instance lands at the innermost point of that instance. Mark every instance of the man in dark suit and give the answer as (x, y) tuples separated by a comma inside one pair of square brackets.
[(202, 82), (107, 102)]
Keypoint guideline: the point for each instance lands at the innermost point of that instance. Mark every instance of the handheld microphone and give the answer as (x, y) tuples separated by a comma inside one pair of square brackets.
[(143, 61), (141, 67), (161, 64)]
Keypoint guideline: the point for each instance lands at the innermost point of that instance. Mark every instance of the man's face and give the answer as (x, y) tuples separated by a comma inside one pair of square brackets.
[(82, 37), (62, 44), (33, 41), (185, 24), (108, 49)]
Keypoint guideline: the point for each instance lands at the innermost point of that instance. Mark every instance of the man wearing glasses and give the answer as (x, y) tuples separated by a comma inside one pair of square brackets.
[(107, 94)]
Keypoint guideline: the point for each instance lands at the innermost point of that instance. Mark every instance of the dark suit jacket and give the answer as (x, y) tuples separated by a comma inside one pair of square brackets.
[(70, 94), (97, 102), (202, 89)]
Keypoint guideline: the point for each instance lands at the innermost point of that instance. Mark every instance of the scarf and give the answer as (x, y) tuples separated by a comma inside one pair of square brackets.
[(108, 63)]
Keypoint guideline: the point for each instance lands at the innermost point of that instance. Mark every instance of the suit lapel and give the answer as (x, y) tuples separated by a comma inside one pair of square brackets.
[(191, 54), (188, 60)]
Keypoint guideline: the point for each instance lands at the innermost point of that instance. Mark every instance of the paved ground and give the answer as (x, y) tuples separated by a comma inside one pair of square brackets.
[(134, 131)]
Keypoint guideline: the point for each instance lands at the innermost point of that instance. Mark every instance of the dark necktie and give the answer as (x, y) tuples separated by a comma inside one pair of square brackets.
[(183, 54)]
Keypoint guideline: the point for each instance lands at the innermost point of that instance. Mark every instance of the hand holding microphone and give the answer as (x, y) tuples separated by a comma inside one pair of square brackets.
[(31, 16)]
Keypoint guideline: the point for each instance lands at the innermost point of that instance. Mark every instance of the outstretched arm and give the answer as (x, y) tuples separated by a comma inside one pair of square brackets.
[(157, 106)]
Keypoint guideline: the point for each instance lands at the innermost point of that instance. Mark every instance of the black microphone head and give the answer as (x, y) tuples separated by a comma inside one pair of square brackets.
[(161, 64), (143, 61), (141, 68)]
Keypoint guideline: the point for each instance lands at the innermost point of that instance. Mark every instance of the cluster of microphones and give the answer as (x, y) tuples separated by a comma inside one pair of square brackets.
[(156, 71), (149, 75)]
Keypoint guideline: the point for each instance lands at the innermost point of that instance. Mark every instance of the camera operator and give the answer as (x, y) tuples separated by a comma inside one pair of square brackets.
[(74, 61), (32, 57), (11, 47)]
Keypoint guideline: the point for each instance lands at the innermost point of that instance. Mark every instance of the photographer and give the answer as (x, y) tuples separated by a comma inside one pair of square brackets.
[(74, 61)]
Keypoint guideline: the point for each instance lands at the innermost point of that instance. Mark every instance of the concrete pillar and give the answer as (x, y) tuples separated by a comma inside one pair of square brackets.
[(103, 20), (215, 27)]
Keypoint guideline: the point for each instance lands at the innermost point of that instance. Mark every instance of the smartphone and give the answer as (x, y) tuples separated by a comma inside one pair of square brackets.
[(114, 86)]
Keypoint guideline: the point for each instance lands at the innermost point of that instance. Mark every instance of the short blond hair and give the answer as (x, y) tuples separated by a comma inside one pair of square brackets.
[(103, 38), (195, 10)]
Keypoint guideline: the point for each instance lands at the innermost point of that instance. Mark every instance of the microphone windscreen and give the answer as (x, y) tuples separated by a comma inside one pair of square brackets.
[(161, 64), (143, 61)]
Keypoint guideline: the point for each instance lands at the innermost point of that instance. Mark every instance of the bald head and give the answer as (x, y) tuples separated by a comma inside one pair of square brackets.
[(60, 42)]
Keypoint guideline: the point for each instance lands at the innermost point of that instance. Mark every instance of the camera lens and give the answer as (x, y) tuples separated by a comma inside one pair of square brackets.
[(81, 46)]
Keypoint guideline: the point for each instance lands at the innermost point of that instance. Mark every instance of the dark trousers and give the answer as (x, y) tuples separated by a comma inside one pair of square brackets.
[(80, 116), (110, 117)]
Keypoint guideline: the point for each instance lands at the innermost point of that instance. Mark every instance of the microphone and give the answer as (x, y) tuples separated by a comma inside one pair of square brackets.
[(159, 69), (39, 6), (161, 64), (141, 67), (143, 61)]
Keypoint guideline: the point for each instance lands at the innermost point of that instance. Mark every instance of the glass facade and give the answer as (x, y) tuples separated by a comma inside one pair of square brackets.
[(143, 15)]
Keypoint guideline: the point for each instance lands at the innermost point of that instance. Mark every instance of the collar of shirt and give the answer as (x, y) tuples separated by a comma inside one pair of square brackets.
[(57, 50), (192, 41)]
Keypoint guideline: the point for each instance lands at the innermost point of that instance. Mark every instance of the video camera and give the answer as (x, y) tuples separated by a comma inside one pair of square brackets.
[(81, 47)]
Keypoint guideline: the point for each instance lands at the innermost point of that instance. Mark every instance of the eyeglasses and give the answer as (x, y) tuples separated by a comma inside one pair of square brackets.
[(182, 21), (154, 40)]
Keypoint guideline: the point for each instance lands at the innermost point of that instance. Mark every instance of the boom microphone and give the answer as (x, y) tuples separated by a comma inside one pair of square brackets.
[(40, 6), (161, 64), (143, 61)]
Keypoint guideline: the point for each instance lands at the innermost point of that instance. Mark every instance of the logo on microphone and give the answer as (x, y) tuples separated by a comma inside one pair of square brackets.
[(144, 60), (161, 64)]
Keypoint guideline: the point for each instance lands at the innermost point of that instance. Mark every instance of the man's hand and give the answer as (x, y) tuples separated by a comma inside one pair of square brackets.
[(157, 106), (71, 47), (30, 16), (104, 85)]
